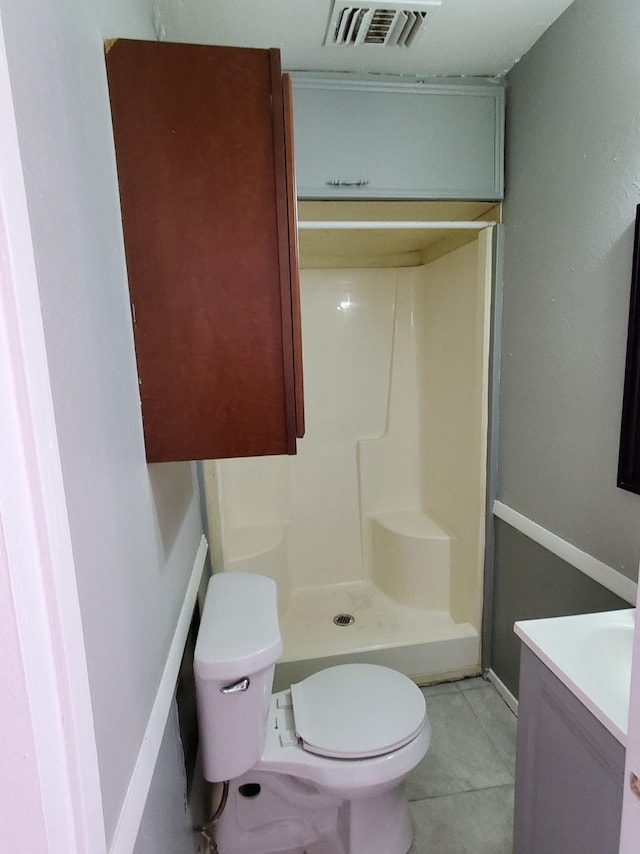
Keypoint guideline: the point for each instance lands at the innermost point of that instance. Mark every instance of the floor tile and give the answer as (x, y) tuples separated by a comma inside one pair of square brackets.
[(460, 757), (497, 720), (467, 823), (440, 688), (472, 683)]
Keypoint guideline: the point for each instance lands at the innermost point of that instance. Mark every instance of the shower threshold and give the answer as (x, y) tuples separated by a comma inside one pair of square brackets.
[(424, 644)]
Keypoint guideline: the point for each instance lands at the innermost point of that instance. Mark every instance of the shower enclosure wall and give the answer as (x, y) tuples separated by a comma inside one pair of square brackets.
[(379, 519)]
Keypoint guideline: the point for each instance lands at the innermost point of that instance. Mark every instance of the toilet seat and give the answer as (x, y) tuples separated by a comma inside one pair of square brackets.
[(357, 711)]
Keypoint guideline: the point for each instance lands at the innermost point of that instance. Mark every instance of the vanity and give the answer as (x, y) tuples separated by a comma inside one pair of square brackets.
[(572, 725)]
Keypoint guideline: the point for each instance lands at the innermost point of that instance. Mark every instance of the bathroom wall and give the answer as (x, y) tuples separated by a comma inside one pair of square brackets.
[(532, 581), (573, 172), (453, 360), (348, 325), (165, 826), (134, 529), (348, 322)]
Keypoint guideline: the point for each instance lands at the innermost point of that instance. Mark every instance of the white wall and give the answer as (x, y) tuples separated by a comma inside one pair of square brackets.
[(573, 178), (134, 529)]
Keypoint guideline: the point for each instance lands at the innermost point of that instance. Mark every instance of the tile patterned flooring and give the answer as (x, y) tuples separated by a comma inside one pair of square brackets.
[(461, 794)]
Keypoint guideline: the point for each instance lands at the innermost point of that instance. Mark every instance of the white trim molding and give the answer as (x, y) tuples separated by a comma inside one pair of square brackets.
[(134, 803), (504, 692), (393, 225), (595, 569)]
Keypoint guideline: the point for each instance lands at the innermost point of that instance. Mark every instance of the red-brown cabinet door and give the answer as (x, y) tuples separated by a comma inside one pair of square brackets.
[(199, 134), (287, 90)]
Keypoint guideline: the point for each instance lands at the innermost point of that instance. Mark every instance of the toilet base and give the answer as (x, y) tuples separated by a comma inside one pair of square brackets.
[(269, 813), (380, 824)]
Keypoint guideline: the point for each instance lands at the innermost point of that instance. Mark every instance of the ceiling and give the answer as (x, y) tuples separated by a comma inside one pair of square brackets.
[(466, 37)]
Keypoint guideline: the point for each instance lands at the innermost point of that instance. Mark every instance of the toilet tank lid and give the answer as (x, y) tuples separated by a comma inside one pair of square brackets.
[(239, 632)]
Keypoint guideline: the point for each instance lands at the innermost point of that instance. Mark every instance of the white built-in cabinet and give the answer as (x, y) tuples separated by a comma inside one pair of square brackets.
[(363, 138)]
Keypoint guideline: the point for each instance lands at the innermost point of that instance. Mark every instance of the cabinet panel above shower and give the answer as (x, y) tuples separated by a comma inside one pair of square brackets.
[(358, 138)]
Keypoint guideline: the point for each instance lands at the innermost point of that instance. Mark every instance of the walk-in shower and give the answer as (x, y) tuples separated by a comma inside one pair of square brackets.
[(374, 531)]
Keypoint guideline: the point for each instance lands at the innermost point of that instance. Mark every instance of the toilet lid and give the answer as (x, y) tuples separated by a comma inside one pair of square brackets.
[(355, 711)]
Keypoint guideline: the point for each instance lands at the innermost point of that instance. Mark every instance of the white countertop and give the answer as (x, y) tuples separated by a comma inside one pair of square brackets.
[(591, 655)]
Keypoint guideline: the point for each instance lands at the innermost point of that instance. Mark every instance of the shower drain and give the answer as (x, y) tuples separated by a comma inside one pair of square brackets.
[(344, 619)]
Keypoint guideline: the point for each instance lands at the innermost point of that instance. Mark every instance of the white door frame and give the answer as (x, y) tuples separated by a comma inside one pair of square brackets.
[(630, 830), (36, 540)]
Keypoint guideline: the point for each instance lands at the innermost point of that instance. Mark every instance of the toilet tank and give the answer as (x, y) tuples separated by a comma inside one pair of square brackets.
[(237, 647)]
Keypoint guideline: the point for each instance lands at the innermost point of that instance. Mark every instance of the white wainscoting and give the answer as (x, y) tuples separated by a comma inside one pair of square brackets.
[(134, 803), (504, 692)]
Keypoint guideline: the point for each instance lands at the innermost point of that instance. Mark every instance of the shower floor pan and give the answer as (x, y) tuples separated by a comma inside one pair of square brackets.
[(426, 645)]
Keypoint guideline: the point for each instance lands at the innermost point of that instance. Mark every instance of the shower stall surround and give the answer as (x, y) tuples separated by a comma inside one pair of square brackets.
[(380, 515)]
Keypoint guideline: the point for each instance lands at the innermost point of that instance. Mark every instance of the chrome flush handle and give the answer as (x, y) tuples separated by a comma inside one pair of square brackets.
[(236, 687)]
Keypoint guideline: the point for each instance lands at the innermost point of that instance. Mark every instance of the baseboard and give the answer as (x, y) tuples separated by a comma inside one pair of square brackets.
[(504, 692), (595, 569), (124, 838)]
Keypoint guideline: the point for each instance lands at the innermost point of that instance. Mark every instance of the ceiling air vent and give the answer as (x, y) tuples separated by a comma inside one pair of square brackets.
[(388, 23)]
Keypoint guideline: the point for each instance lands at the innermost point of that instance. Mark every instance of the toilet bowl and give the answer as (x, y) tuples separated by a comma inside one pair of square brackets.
[(317, 769)]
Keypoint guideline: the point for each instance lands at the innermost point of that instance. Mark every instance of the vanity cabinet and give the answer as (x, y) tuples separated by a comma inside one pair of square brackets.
[(362, 138), (569, 770), (204, 154)]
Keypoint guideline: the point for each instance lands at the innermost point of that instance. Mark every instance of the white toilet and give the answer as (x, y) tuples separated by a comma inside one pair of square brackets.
[(318, 769)]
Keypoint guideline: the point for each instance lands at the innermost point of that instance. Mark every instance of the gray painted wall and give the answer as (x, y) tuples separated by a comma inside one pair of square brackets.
[(166, 824), (573, 182), (135, 529), (530, 582)]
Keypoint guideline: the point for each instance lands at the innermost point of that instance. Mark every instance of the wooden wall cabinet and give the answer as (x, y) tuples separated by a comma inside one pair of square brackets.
[(569, 771), (379, 139), (205, 169)]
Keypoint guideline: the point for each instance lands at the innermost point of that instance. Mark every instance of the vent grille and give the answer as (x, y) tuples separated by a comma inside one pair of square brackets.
[(387, 23)]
